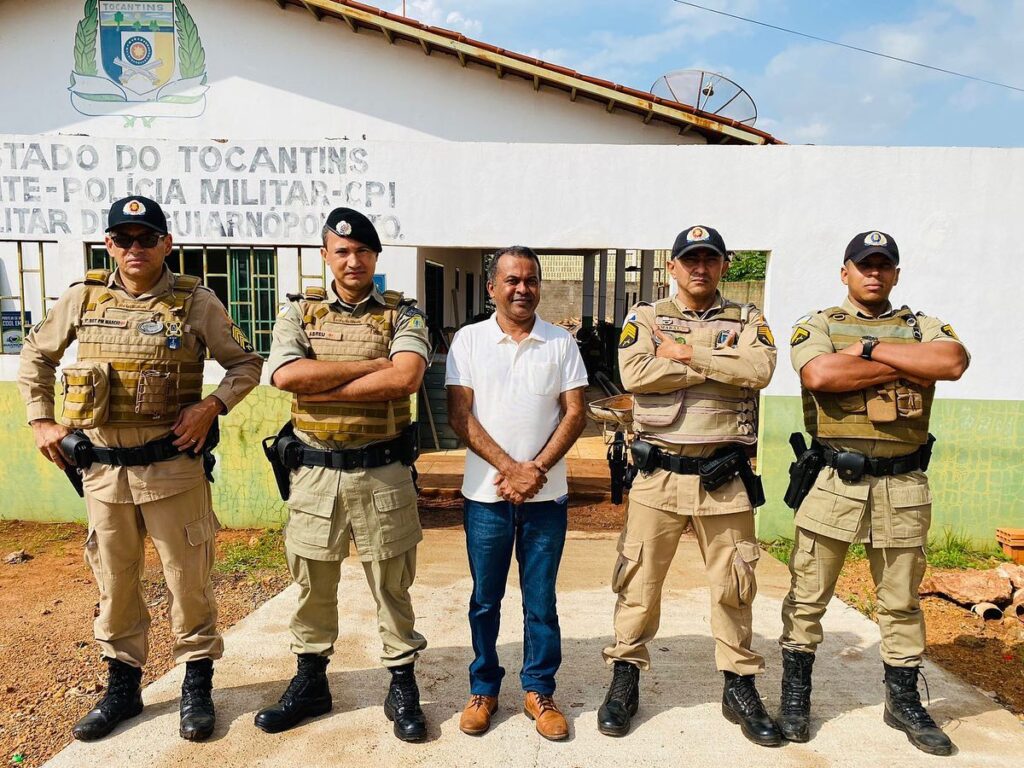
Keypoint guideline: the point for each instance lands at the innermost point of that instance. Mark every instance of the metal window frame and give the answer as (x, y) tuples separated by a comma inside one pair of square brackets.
[(22, 271)]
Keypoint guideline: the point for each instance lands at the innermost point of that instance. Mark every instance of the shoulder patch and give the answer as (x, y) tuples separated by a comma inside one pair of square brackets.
[(240, 339), (97, 276), (764, 335), (314, 293), (393, 298), (416, 320), (947, 329), (186, 283), (628, 336), (800, 335)]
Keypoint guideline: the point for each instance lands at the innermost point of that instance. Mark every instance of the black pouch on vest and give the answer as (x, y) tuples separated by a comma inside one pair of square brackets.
[(721, 468), (850, 466)]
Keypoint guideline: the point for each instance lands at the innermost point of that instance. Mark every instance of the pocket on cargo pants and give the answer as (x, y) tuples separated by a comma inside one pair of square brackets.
[(628, 574), (742, 586)]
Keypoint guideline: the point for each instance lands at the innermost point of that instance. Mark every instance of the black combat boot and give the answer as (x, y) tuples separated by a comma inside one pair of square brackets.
[(741, 703), (197, 716), (402, 706), (795, 707), (904, 712), (122, 701), (623, 699), (307, 695)]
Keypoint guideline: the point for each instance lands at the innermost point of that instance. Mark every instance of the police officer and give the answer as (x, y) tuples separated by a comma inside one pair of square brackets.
[(351, 357), (694, 363), (135, 394), (867, 373)]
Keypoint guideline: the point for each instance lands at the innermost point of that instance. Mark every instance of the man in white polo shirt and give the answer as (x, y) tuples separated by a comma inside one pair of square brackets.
[(516, 397)]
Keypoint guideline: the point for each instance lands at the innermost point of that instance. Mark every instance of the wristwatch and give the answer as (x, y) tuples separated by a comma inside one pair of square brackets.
[(868, 343)]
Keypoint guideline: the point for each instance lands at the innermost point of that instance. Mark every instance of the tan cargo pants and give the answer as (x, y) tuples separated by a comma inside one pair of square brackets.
[(897, 573), (183, 529), (376, 510), (646, 548)]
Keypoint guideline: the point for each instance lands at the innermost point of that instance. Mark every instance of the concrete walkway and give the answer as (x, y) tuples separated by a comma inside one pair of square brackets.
[(679, 723)]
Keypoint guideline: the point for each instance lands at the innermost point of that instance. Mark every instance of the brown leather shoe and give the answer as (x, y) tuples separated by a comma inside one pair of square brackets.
[(476, 717), (551, 723)]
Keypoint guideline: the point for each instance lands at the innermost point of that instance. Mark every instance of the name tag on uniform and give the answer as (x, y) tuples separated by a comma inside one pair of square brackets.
[(332, 335), (105, 322)]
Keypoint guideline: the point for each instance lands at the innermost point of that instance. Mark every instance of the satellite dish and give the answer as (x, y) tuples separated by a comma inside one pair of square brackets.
[(708, 92)]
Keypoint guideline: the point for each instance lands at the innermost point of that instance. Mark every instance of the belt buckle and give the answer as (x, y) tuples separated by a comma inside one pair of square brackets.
[(850, 466)]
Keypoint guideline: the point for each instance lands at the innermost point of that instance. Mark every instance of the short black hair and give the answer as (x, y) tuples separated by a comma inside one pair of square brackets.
[(519, 251)]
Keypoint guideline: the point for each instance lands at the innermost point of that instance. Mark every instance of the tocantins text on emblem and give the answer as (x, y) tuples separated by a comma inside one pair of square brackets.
[(138, 60)]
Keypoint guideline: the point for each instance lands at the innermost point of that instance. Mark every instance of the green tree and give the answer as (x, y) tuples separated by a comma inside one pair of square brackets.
[(747, 265), (153, 26), (118, 17), (137, 26)]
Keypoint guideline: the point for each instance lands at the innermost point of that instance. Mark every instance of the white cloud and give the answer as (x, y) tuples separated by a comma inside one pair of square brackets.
[(441, 14)]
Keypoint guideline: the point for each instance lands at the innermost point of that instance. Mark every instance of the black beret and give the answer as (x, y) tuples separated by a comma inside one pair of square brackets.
[(346, 222)]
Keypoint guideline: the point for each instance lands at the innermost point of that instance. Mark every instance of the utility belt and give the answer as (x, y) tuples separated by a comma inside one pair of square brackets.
[(82, 453), (714, 472), (850, 466), (286, 452)]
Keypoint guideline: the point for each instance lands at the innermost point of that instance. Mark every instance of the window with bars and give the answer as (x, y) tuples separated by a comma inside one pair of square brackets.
[(244, 279)]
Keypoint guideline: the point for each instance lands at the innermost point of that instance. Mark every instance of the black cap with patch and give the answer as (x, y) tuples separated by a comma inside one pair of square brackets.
[(869, 243), (695, 238), (346, 222), (137, 210)]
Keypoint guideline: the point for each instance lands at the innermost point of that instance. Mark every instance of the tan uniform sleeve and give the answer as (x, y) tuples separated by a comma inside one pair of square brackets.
[(750, 362), (639, 367), (42, 352), (289, 341), (411, 333), (933, 329), (809, 340), (229, 347)]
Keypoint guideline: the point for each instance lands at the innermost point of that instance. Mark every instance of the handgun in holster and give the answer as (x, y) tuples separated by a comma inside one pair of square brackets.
[(622, 473), (726, 464), (282, 451), (77, 449), (803, 472), (211, 442)]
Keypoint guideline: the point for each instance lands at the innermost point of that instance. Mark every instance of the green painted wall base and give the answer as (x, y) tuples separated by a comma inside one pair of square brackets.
[(976, 473)]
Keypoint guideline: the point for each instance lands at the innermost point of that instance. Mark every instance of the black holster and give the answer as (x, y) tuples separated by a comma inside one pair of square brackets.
[(726, 464), (77, 448), (281, 450), (211, 442), (619, 468), (803, 472)]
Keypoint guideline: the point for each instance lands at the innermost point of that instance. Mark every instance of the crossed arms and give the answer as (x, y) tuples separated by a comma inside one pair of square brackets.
[(922, 364), (517, 481), (353, 380)]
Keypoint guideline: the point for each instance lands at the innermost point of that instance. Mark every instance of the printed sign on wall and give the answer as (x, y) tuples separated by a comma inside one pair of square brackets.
[(139, 60)]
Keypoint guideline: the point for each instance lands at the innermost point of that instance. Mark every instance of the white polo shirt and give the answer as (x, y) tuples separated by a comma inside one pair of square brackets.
[(515, 396)]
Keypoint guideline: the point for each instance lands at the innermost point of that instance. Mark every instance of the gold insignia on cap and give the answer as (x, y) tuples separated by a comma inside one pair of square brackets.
[(697, 234), (343, 228), (875, 238), (134, 208)]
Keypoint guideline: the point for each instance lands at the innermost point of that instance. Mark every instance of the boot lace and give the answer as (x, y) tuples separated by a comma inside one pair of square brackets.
[(404, 691), (121, 686), (747, 696), (909, 700), (544, 704), (478, 701), (622, 685)]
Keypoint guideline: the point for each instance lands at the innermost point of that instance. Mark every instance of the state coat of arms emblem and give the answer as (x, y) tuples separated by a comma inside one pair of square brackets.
[(138, 59)]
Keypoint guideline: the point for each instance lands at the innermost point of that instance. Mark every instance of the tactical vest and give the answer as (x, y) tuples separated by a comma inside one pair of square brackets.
[(896, 411), (335, 336), (138, 361), (709, 412)]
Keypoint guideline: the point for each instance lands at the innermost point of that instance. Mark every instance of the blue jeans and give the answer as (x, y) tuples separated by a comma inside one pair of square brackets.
[(537, 532)]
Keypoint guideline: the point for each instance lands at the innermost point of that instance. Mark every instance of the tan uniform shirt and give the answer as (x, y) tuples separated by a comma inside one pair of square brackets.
[(749, 363), (45, 346), (890, 511), (324, 484)]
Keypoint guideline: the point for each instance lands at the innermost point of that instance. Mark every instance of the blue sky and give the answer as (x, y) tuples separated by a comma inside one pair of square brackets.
[(806, 92)]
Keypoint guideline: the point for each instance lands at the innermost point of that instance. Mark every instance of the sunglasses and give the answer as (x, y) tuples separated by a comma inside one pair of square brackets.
[(146, 240)]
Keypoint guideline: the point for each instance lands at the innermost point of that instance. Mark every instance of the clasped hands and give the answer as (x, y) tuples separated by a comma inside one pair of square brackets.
[(519, 481)]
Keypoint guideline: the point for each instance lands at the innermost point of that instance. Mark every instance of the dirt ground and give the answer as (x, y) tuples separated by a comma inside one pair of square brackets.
[(52, 674)]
